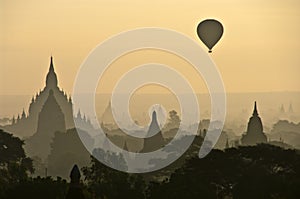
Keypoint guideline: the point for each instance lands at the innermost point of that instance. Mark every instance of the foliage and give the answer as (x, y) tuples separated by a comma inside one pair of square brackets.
[(262, 171), (14, 165), (67, 149), (173, 121), (37, 188), (106, 182)]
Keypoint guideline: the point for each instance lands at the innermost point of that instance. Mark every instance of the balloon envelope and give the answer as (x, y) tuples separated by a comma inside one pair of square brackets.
[(210, 32)]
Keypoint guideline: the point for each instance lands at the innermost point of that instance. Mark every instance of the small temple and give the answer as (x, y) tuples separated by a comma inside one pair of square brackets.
[(254, 134), (156, 141), (75, 190)]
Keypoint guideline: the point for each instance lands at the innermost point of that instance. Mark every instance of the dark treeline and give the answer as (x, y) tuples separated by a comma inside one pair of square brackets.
[(261, 171)]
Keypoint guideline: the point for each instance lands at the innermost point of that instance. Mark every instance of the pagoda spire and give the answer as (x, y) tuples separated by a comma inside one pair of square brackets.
[(13, 120), (79, 114), (23, 114), (154, 119), (75, 175), (282, 109), (291, 108), (255, 110), (125, 147), (75, 189), (227, 144), (254, 133), (154, 127), (155, 139), (51, 79), (51, 64)]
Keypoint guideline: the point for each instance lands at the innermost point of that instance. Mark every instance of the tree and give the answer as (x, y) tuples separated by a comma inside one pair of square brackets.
[(67, 149), (14, 165), (106, 182), (262, 171), (173, 121), (37, 188)]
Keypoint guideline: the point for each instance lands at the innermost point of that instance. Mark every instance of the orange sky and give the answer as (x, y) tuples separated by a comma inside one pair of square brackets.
[(259, 50)]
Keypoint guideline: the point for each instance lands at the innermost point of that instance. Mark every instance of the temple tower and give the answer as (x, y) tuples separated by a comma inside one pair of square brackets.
[(254, 134)]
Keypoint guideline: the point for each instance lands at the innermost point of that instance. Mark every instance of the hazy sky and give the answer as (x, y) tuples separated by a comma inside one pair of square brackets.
[(259, 50)]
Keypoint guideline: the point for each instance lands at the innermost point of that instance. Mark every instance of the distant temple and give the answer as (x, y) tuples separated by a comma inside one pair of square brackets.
[(27, 125), (282, 110), (75, 189), (291, 110), (50, 120), (107, 118), (254, 134), (156, 141)]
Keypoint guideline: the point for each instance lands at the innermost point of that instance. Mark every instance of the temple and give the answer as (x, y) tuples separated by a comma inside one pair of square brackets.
[(50, 111), (51, 119), (156, 141), (254, 134), (75, 190), (27, 124)]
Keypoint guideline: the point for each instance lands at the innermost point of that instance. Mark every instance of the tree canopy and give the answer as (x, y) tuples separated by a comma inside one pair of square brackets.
[(262, 171), (14, 165)]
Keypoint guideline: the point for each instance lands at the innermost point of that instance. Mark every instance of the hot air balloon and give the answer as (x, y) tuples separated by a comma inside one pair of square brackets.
[(210, 32)]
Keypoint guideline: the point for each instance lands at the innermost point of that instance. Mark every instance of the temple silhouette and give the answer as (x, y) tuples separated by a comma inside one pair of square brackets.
[(50, 111), (156, 141), (107, 118), (50, 120), (75, 189), (27, 124), (254, 134)]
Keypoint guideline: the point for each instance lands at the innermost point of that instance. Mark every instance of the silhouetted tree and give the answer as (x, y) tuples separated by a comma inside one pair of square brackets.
[(67, 149), (37, 188), (268, 172), (105, 182), (173, 121), (165, 172), (14, 165), (261, 171)]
